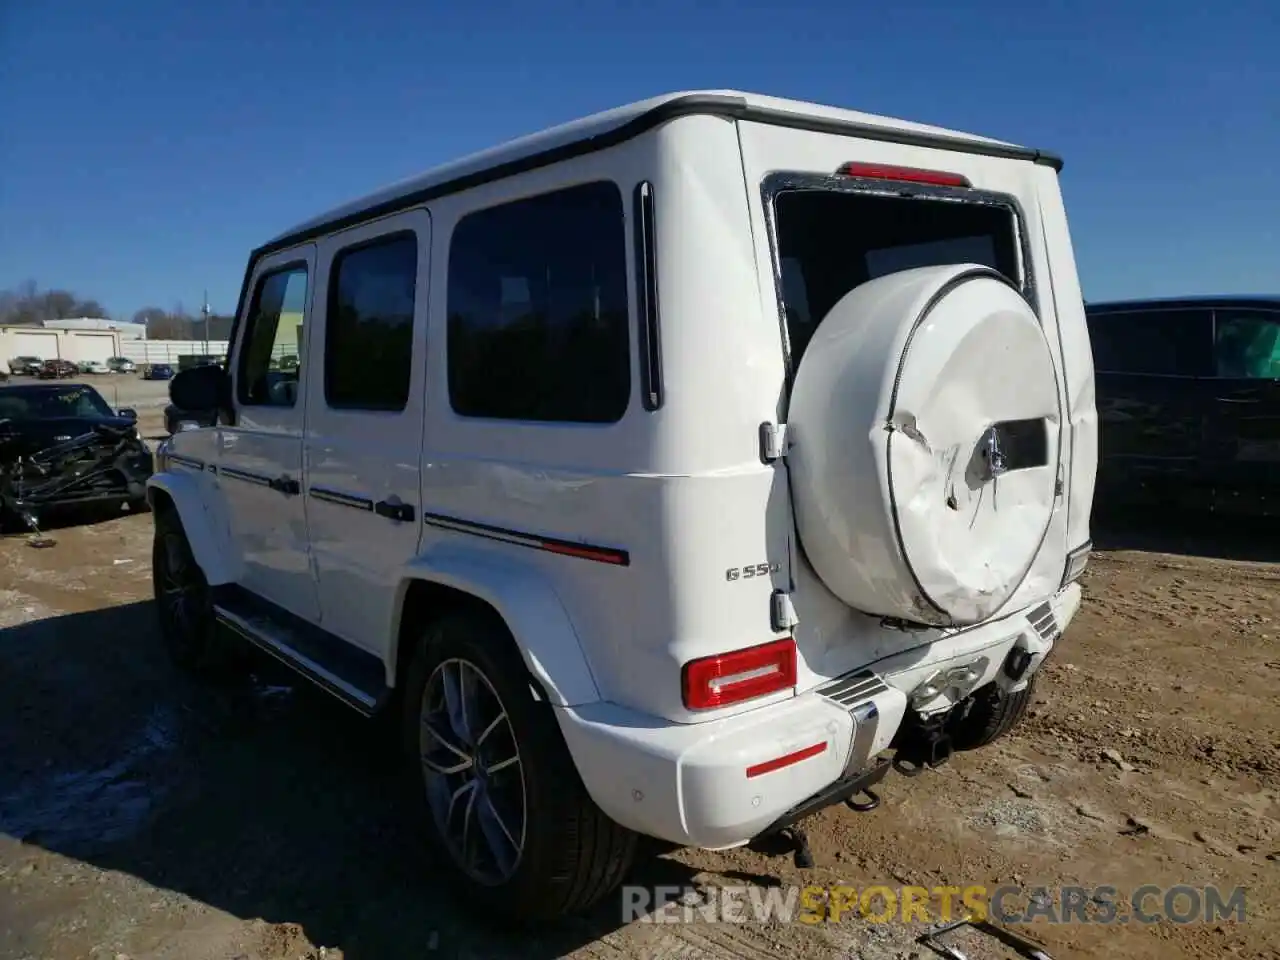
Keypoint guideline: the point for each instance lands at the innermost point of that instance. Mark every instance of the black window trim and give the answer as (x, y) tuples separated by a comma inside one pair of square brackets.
[(783, 180), (648, 329), (1208, 310), (239, 346), (628, 304), (356, 246)]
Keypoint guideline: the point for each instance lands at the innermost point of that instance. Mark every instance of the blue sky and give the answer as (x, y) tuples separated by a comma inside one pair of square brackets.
[(146, 146)]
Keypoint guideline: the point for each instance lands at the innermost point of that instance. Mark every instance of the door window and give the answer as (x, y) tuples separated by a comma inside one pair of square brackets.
[(1247, 344), (368, 351), (271, 350), (1170, 343)]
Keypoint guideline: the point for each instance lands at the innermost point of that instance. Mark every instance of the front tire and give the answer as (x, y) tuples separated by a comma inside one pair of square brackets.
[(183, 600), (496, 787)]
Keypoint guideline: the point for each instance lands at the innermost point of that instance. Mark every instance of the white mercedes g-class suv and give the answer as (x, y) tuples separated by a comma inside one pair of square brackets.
[(673, 472)]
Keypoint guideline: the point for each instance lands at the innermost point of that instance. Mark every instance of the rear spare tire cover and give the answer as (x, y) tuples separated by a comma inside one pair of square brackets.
[(923, 444)]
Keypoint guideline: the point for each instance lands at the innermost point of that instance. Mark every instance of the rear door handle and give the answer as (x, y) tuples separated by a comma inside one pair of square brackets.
[(402, 512), (286, 485)]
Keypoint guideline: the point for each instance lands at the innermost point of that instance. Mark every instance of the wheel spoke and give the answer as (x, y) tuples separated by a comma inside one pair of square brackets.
[(501, 764), (501, 824), (445, 741), (502, 847), (467, 788), (493, 725), (451, 680), (466, 823)]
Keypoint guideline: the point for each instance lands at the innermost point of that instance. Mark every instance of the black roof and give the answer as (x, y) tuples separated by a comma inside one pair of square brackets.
[(1176, 303)]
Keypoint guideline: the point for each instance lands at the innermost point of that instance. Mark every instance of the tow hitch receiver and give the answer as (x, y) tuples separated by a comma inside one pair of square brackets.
[(923, 746)]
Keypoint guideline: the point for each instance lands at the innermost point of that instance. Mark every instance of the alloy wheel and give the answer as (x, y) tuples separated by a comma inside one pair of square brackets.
[(473, 772)]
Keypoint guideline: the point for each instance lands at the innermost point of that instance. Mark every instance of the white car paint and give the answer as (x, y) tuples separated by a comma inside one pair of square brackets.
[(268, 530), (682, 490), (371, 456)]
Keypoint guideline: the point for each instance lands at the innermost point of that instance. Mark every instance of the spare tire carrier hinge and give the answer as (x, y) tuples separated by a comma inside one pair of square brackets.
[(773, 441), (783, 612)]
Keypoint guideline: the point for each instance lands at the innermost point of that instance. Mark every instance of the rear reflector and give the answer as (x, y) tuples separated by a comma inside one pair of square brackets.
[(726, 678), (884, 171), (786, 760)]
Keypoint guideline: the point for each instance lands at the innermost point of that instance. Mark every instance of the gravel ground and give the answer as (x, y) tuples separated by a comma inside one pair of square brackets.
[(146, 816)]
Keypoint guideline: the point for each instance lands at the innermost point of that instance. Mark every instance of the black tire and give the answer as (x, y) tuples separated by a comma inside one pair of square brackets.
[(191, 639), (991, 715), (573, 854)]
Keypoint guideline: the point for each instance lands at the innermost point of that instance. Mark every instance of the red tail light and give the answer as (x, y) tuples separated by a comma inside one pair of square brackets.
[(884, 171), (727, 678)]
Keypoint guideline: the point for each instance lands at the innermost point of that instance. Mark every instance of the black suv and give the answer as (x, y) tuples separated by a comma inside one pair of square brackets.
[(1189, 402)]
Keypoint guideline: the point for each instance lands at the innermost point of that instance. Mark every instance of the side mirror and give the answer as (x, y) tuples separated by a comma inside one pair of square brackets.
[(128, 413), (200, 388)]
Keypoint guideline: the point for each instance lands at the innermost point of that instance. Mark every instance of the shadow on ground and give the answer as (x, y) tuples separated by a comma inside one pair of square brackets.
[(1188, 534), (51, 521), (258, 798)]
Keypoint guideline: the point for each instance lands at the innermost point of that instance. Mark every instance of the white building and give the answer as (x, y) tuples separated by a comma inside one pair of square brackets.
[(126, 329)]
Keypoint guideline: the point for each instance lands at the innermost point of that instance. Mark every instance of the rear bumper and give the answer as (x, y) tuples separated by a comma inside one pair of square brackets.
[(689, 783)]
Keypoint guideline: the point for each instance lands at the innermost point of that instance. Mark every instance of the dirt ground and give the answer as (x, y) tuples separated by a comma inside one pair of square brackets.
[(143, 815)]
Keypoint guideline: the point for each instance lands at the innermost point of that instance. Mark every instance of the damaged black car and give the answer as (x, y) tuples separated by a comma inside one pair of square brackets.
[(62, 447)]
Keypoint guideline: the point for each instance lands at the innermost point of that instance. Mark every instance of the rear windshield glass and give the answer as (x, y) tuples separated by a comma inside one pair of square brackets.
[(831, 241)]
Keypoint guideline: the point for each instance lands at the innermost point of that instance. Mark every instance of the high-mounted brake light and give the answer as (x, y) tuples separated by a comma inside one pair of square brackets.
[(727, 678), (885, 171)]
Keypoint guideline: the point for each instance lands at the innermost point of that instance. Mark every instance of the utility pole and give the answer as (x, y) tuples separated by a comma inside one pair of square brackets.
[(205, 310)]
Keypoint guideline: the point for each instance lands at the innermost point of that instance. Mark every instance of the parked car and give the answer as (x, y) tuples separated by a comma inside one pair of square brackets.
[(1189, 402), (157, 371), (61, 445), (95, 367), (57, 370), (121, 365), (188, 360), (538, 503), (25, 366)]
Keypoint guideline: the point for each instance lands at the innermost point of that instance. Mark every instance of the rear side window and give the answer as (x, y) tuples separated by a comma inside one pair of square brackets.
[(368, 351), (831, 241), (538, 314), (271, 351), (1247, 344), (1167, 343)]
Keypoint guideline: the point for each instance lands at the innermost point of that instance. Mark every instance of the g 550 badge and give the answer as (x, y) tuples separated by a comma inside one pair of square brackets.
[(751, 571)]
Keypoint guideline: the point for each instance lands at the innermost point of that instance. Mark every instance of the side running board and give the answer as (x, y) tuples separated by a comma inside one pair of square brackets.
[(354, 676)]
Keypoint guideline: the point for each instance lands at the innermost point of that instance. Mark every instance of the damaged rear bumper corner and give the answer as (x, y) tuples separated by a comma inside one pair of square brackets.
[(1008, 653)]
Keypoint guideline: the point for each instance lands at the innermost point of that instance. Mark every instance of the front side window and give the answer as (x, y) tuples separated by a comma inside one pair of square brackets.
[(271, 349), (538, 316), (832, 240), (368, 350), (1170, 343), (1247, 344)]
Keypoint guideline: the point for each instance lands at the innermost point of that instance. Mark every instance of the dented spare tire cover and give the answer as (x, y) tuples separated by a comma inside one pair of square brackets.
[(923, 444)]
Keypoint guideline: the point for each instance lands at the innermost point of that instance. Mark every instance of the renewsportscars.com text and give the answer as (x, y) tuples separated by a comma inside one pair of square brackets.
[(1102, 904)]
